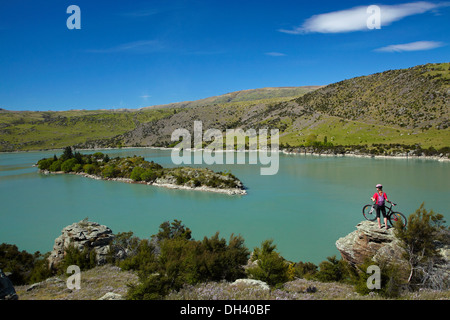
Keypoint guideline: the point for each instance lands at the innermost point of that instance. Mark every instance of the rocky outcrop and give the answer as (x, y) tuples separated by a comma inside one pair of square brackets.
[(368, 241), (112, 296), (251, 282), (381, 245), (81, 235), (7, 291)]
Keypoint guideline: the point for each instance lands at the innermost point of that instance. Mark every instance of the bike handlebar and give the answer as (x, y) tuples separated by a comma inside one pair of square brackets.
[(393, 204)]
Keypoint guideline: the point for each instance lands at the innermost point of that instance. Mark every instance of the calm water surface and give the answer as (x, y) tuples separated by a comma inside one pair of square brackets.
[(305, 208)]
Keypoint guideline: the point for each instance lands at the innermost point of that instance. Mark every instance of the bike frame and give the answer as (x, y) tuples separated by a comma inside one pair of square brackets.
[(388, 209)]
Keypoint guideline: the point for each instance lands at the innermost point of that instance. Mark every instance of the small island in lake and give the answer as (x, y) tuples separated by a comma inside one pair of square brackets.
[(137, 170)]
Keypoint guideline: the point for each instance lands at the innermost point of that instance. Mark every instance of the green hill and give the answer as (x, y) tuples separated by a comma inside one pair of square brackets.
[(405, 106), (37, 130), (243, 95)]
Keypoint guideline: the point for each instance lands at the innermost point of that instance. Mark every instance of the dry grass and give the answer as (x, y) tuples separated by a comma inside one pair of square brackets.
[(98, 281), (95, 283)]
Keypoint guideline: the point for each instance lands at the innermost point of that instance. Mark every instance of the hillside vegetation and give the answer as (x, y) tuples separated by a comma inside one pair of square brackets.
[(244, 95), (138, 170), (173, 265), (406, 107), (36, 130), (41, 130)]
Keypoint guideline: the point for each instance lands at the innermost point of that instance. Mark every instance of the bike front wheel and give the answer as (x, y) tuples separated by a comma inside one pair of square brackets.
[(397, 217), (369, 212)]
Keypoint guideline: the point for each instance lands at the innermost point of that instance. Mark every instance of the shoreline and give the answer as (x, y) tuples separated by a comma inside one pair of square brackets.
[(370, 156), (156, 184), (402, 156)]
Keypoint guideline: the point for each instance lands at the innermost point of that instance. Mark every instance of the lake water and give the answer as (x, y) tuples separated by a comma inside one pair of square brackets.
[(310, 203)]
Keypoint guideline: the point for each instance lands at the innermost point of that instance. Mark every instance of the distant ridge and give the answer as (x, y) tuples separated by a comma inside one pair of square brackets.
[(407, 107), (242, 95)]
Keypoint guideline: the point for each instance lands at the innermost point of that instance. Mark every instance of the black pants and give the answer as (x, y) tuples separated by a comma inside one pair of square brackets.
[(382, 209)]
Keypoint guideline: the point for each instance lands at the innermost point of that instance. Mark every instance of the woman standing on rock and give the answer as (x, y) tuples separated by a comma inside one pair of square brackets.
[(380, 198)]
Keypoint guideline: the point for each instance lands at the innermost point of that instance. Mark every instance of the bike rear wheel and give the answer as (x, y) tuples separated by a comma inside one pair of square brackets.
[(397, 217), (369, 212)]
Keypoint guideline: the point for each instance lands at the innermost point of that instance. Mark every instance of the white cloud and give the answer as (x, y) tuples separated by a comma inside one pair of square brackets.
[(142, 46), (275, 54), (413, 46), (355, 19)]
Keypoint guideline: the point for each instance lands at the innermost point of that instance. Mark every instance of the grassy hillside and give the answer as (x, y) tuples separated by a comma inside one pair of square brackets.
[(409, 98), (406, 106), (244, 95), (27, 130)]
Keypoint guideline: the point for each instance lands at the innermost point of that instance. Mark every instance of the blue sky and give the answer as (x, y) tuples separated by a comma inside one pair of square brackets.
[(132, 54)]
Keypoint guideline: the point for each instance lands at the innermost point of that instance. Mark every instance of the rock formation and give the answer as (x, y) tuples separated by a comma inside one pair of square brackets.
[(82, 234), (368, 241), (7, 291)]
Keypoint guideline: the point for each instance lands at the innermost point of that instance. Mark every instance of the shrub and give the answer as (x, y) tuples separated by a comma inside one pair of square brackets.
[(77, 168), (98, 155), (25, 267), (330, 270), (153, 287), (109, 172), (218, 261), (419, 239), (56, 165), (141, 256), (89, 168), (85, 259), (17, 262), (67, 154), (392, 279), (148, 175), (271, 266), (172, 230), (67, 166), (44, 164), (182, 260), (136, 173), (40, 271), (305, 270)]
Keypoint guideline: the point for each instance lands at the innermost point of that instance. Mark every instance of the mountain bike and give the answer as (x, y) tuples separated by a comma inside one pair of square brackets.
[(370, 213)]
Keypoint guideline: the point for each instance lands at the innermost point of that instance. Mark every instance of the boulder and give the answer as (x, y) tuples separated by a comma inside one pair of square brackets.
[(368, 241), (82, 234), (111, 296), (7, 291), (252, 282)]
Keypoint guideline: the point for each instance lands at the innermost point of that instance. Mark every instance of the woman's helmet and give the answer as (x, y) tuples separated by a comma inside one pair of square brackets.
[(379, 186)]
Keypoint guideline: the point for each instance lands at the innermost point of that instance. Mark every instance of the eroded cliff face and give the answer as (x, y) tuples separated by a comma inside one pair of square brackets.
[(368, 241)]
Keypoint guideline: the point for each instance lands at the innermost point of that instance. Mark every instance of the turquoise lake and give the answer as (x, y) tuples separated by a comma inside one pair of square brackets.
[(310, 203)]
